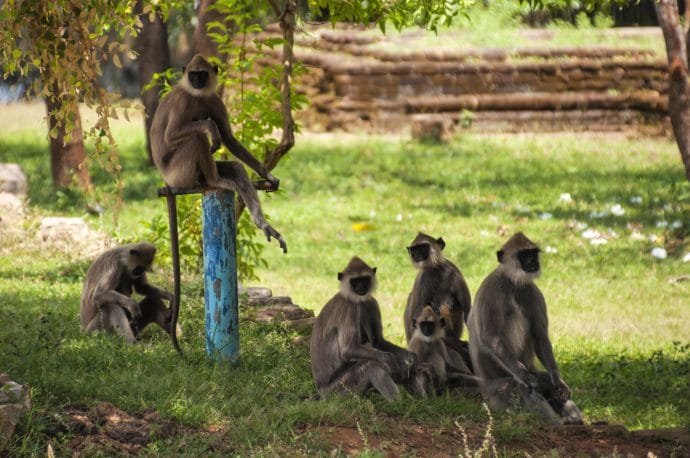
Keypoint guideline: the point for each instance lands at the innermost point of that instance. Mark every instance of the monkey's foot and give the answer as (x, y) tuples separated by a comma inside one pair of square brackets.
[(270, 232)]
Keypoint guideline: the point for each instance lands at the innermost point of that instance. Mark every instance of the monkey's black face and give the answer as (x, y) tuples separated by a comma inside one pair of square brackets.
[(420, 252), (529, 260), (198, 80), (427, 328), (138, 271), (361, 285)]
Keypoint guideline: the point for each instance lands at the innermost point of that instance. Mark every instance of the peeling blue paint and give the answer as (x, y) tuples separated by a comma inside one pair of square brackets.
[(220, 276)]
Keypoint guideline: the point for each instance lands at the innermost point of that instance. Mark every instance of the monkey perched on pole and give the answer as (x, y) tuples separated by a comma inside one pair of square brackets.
[(189, 125), (508, 327)]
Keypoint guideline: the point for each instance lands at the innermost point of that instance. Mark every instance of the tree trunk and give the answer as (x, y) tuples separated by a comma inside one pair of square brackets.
[(679, 90), (67, 156), (203, 44), (154, 57)]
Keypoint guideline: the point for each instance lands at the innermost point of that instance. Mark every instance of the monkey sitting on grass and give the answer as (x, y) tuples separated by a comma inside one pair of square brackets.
[(347, 347), (509, 330), (106, 299)]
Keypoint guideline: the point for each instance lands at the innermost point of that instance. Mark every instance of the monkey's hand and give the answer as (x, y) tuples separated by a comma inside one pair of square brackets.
[(168, 296), (274, 182), (565, 391), (215, 136)]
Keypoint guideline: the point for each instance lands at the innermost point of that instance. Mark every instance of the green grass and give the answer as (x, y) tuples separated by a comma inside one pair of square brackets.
[(619, 329), (499, 26)]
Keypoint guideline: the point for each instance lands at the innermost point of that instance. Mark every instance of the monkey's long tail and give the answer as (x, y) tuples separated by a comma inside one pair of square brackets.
[(175, 248)]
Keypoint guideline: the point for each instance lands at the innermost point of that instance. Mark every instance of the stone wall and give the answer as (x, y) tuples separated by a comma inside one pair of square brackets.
[(355, 80)]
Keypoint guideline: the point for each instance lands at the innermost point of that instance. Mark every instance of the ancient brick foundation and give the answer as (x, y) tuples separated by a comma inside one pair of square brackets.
[(354, 82)]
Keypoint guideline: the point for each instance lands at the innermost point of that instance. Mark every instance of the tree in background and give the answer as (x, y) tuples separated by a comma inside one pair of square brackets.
[(65, 42), (154, 57), (679, 90)]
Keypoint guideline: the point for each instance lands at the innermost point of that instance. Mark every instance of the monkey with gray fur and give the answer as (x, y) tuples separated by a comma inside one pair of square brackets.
[(428, 344), (188, 127), (348, 351), (508, 327), (106, 299), (438, 282)]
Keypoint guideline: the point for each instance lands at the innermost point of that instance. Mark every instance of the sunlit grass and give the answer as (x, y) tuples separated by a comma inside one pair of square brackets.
[(614, 316)]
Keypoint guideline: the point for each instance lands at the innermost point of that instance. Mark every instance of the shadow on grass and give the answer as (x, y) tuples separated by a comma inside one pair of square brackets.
[(141, 180), (649, 387), (44, 347)]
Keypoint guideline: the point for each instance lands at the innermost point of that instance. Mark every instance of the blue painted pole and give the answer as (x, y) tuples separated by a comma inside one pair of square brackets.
[(220, 276)]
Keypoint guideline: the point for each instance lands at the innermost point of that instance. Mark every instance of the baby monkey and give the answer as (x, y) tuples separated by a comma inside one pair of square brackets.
[(427, 342)]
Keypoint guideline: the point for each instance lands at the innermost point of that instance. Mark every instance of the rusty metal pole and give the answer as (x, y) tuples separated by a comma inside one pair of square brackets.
[(220, 275)]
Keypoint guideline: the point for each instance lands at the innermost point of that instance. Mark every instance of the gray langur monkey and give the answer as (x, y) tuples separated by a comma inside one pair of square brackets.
[(438, 282), (508, 327), (347, 348), (106, 299), (428, 344), (188, 127)]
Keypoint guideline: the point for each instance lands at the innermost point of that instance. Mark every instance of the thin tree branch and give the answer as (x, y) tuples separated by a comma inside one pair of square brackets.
[(287, 141)]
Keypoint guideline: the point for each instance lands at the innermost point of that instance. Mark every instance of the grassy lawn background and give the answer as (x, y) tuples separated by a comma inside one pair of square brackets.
[(619, 328)]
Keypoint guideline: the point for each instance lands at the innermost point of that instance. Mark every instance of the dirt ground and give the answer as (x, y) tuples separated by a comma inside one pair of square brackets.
[(107, 429)]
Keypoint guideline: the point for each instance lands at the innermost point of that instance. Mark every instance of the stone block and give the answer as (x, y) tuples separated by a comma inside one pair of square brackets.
[(12, 179)]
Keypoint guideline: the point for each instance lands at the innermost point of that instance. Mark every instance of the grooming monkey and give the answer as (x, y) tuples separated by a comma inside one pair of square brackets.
[(427, 342), (188, 127), (439, 282), (508, 327), (348, 351), (106, 299)]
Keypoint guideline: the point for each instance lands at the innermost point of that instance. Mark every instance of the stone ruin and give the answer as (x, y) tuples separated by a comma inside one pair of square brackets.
[(263, 307), (360, 80), (15, 401), (64, 233)]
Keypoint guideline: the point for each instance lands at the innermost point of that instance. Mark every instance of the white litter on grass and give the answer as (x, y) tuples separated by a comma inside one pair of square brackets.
[(636, 200), (618, 210), (545, 215), (550, 249), (591, 234), (677, 224), (635, 235), (653, 238), (659, 253), (662, 223), (686, 258), (565, 198), (399, 217), (599, 214), (484, 233), (595, 237), (580, 226)]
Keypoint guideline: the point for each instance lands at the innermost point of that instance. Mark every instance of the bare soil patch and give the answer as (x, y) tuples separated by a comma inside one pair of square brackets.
[(597, 440), (108, 429)]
